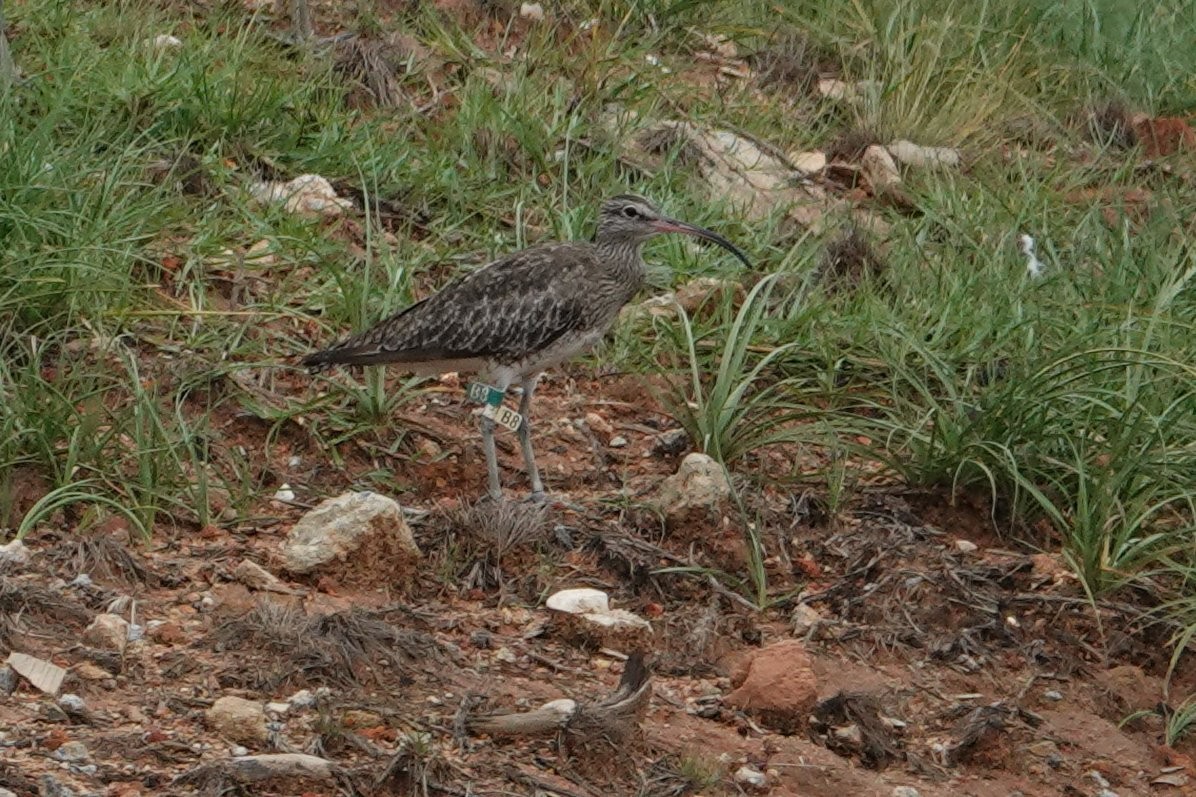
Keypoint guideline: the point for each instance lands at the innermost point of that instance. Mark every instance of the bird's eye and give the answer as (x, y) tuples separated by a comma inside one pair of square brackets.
[(630, 212)]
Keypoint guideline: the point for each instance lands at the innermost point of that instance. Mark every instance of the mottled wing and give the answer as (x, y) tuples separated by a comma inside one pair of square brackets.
[(503, 312)]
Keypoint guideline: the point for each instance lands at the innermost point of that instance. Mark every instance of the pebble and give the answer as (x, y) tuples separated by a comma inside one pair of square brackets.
[(238, 750), (8, 682), (618, 441), (284, 493), (751, 777), (506, 654), (905, 791), (72, 704), (533, 12), (73, 752), (1053, 694), (966, 546), (278, 708)]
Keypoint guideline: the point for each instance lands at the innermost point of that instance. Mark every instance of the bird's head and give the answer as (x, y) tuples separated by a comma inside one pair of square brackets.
[(630, 219)]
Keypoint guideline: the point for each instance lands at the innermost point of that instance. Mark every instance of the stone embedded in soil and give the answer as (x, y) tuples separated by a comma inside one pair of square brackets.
[(14, 553), (108, 632), (342, 526), (700, 483), (8, 680), (238, 720), (585, 615), (777, 680), (72, 752), (911, 154), (751, 778), (880, 168)]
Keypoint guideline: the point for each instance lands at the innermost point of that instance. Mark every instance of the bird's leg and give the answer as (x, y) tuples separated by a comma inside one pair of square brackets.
[(494, 399), (494, 487), (525, 439)]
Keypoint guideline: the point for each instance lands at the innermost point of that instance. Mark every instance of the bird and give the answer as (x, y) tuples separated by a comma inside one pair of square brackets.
[(512, 319)]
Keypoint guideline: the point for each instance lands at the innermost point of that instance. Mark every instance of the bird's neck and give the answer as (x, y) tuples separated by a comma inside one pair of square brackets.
[(623, 259)]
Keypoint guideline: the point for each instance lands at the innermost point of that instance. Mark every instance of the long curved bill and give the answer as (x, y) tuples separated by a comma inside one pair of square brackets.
[(672, 225)]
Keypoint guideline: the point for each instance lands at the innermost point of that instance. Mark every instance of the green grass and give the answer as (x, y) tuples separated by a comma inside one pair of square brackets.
[(125, 325)]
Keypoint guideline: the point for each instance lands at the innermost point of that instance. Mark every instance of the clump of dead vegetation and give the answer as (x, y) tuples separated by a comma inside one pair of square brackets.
[(792, 61), (849, 145), (1111, 124), (849, 260), (338, 648), (476, 539)]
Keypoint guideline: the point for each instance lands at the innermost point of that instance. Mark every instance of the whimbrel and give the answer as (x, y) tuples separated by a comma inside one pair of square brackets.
[(521, 314)]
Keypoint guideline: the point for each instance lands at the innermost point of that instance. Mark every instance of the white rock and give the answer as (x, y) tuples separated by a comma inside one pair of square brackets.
[(238, 720), (108, 632), (966, 546), (165, 41), (72, 703), (579, 601), (808, 162), (751, 777), (879, 167), (618, 441), (14, 552), (905, 791), (238, 750), (699, 482), (803, 618), (72, 752), (304, 698), (278, 709), (307, 195), (284, 493), (339, 526), (532, 11), (911, 154)]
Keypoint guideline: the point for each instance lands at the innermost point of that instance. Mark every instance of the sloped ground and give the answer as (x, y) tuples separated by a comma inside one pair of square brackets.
[(978, 671), (945, 659)]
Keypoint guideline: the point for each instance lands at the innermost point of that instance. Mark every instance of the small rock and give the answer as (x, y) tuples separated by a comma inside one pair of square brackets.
[(579, 601), (238, 720), (910, 154), (8, 680), (880, 168), (506, 655), (254, 576), (72, 704), (700, 482), (671, 443), (751, 778), (777, 679), (1053, 694), (43, 674), (238, 750), (618, 441), (966, 546), (342, 526), (696, 293), (14, 552), (7, 793), (284, 493), (905, 791), (107, 632), (304, 698), (359, 718), (72, 752), (598, 424), (803, 618), (165, 633), (532, 11), (808, 162), (307, 195), (165, 41), (48, 786), (278, 709)]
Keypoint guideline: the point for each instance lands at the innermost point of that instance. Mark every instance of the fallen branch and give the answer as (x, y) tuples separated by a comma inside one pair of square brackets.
[(611, 717)]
